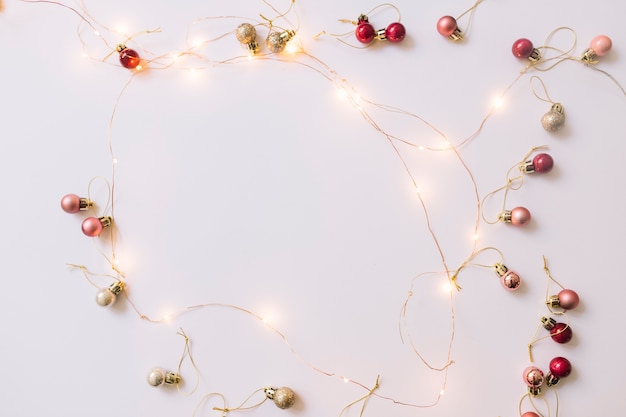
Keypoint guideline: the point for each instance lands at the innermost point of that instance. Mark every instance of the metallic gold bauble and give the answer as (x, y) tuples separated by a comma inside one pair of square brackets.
[(554, 120), (283, 397), (276, 41), (245, 33)]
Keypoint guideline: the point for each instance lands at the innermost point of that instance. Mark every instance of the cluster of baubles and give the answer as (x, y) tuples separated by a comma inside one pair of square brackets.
[(92, 227), (275, 42), (366, 34), (542, 163), (559, 367), (600, 45)]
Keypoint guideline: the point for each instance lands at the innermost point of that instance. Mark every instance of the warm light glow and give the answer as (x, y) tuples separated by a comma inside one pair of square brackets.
[(447, 287), (497, 102), (138, 68), (476, 237), (167, 318), (342, 94), (293, 46), (441, 392), (346, 380), (115, 161), (95, 32), (421, 148), (196, 43)]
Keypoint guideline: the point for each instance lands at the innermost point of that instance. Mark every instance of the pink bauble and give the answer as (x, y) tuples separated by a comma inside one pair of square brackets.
[(520, 216), (522, 48), (561, 333), (601, 45), (560, 367), (446, 25), (92, 227), (395, 32), (530, 414), (511, 281), (543, 163), (568, 299), (533, 376), (70, 203), (365, 32)]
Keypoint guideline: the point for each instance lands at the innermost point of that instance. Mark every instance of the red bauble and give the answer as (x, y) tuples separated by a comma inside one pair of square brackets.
[(365, 32), (395, 32), (543, 163), (561, 333), (129, 58), (530, 414), (522, 48), (560, 367)]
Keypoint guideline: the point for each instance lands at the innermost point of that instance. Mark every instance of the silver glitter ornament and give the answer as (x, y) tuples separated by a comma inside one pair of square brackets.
[(157, 377), (276, 41), (246, 34), (107, 296), (283, 397), (554, 120)]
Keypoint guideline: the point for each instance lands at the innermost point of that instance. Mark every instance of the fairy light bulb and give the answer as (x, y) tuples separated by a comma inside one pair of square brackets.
[(448, 27), (542, 163), (129, 58), (276, 41), (283, 397), (71, 203), (599, 46), (157, 377), (518, 216), (107, 296), (246, 35), (559, 332), (509, 279), (560, 368), (93, 226), (524, 49), (566, 299)]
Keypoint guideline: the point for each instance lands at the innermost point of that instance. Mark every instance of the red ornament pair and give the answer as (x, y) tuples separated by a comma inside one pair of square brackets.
[(542, 163), (365, 32), (92, 226)]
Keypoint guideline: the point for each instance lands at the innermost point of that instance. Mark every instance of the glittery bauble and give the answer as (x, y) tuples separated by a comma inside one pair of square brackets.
[(129, 58), (530, 414), (284, 397), (105, 297), (522, 48), (561, 333), (156, 377), (601, 45), (568, 299), (446, 26), (70, 203), (533, 377), (365, 32), (395, 32), (511, 281), (245, 33), (520, 216), (92, 227), (543, 163), (276, 41), (560, 367), (554, 119)]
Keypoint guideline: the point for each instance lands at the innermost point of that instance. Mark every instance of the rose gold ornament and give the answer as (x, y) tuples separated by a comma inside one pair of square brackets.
[(599, 46), (566, 299), (71, 203), (509, 279), (447, 26), (518, 216), (93, 226)]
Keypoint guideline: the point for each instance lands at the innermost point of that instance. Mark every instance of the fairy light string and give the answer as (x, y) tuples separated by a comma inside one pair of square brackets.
[(357, 102)]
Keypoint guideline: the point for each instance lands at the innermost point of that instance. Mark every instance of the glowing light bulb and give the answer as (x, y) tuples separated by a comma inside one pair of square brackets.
[(476, 237), (447, 287), (293, 46), (96, 33), (346, 380), (421, 148), (342, 94), (114, 161), (497, 102)]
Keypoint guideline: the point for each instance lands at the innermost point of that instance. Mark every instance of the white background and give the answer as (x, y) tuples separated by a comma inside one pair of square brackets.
[(254, 186)]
